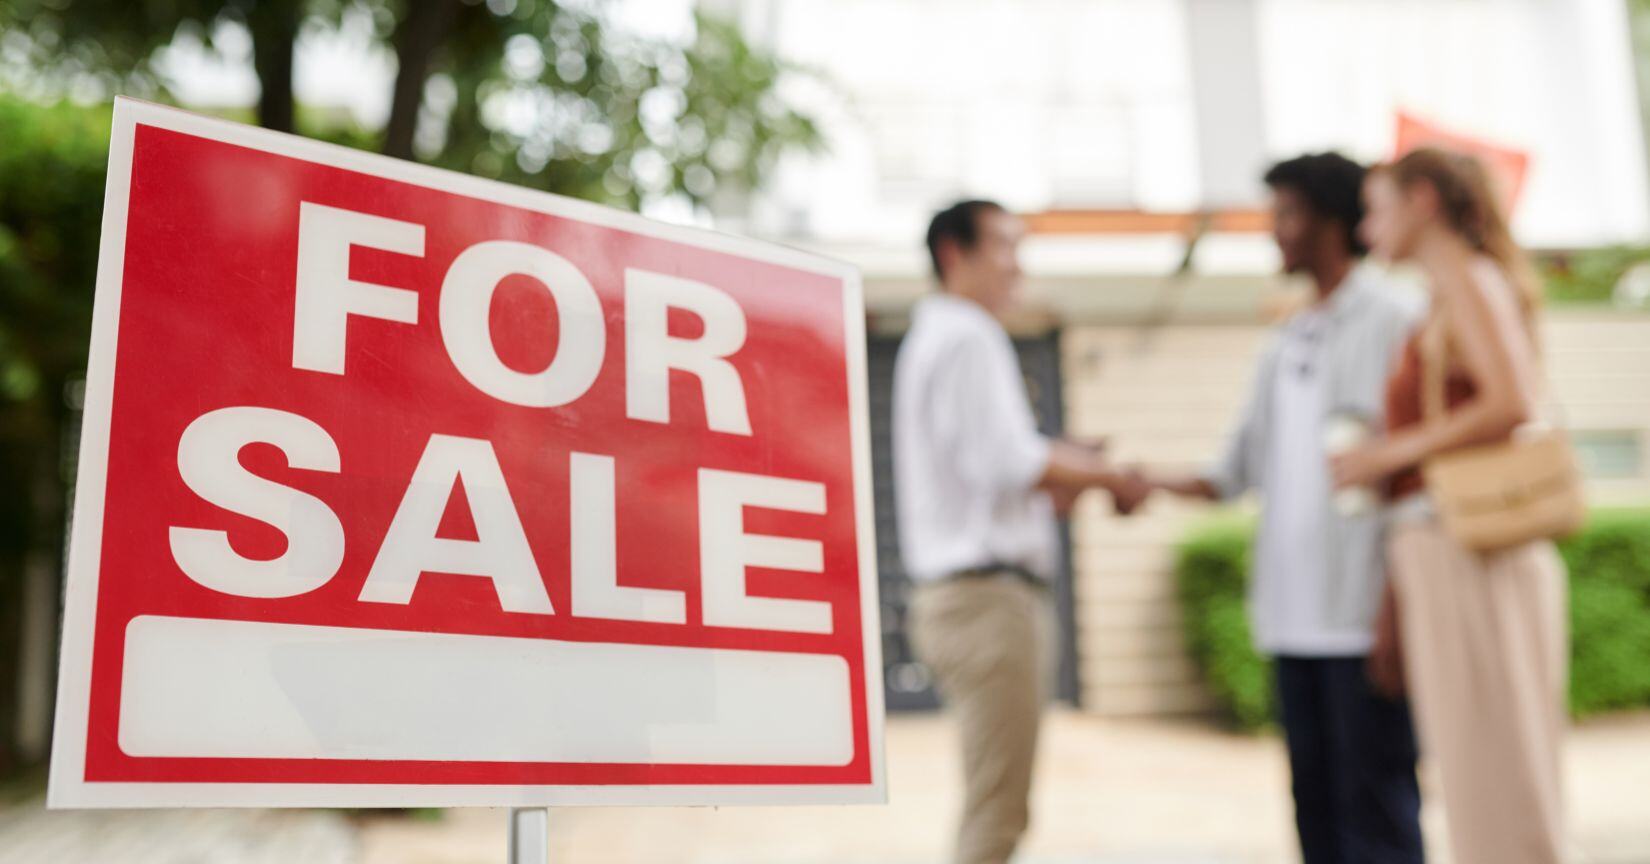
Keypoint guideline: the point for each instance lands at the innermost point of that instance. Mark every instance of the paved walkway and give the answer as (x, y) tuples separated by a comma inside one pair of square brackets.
[(30, 835), (1110, 792)]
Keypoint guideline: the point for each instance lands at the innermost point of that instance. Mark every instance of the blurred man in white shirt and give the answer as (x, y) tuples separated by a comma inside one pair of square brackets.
[(977, 488)]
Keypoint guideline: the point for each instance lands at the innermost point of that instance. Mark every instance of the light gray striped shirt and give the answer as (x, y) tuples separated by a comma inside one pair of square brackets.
[(1359, 333)]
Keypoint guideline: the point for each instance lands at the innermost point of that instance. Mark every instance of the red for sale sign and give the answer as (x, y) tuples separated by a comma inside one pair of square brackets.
[(399, 487)]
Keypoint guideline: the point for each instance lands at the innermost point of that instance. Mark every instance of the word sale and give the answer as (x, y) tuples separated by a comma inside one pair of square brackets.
[(326, 298)]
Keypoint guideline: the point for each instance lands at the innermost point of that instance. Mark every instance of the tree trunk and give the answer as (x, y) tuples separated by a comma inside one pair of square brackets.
[(37, 643), (274, 28), (417, 37), (38, 612)]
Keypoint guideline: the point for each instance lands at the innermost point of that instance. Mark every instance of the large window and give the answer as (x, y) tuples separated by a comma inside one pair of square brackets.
[(1616, 454), (907, 685)]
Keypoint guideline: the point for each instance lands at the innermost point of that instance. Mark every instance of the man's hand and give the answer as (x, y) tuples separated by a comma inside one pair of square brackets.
[(1186, 487), (1065, 499), (1097, 445), (1129, 491), (1385, 666), (1073, 467)]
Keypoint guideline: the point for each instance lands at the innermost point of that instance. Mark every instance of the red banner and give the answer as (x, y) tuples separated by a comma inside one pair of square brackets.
[(1506, 165)]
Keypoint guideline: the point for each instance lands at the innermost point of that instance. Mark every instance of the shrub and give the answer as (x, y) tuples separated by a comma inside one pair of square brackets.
[(1609, 564), (1212, 571), (1610, 612), (51, 201)]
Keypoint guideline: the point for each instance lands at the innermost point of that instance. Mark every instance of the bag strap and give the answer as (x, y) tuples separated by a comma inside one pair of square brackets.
[(1434, 350), (1433, 363)]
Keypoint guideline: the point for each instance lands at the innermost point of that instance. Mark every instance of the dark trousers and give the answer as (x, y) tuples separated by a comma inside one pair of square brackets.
[(1352, 757)]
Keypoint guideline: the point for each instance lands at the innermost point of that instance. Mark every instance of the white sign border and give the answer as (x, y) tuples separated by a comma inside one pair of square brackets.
[(67, 787)]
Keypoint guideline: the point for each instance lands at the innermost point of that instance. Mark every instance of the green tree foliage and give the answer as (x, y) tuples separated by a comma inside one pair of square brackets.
[(1610, 612), (538, 93), (613, 119), (1609, 564), (51, 190), (1212, 570), (1589, 276), (541, 93)]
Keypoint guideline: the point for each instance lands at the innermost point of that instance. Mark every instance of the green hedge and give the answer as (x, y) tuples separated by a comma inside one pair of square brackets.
[(1609, 616), (51, 205)]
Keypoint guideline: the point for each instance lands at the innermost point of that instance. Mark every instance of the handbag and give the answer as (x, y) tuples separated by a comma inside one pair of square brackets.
[(1496, 496)]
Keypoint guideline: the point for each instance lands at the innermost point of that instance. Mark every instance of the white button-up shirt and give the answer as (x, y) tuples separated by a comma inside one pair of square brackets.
[(967, 454)]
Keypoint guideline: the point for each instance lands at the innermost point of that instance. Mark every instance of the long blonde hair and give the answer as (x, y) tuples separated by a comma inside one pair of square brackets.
[(1469, 204)]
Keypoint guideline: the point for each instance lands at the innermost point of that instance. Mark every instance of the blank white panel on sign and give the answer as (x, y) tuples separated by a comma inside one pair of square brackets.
[(207, 688)]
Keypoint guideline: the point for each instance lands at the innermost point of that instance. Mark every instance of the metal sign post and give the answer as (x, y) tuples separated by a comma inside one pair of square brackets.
[(529, 835)]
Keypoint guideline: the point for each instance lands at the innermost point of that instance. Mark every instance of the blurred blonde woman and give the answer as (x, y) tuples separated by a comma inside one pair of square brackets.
[(1483, 640)]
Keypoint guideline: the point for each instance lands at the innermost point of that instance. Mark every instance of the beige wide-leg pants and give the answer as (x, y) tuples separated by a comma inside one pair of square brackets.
[(1486, 653), (989, 642)]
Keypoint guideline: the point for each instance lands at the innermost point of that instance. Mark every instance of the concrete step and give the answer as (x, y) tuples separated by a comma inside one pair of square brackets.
[(1105, 645), (1101, 615), (1128, 585), (1142, 701), (1165, 670)]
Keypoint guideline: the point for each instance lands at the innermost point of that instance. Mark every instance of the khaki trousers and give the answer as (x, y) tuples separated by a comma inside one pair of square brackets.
[(1486, 652), (990, 643)]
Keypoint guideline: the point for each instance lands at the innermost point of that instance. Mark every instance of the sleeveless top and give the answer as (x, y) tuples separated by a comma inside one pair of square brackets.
[(1404, 408)]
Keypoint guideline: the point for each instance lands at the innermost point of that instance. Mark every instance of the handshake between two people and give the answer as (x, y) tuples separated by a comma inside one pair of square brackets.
[(1074, 467)]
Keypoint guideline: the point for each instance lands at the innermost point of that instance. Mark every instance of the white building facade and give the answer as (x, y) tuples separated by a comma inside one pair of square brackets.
[(1124, 128)]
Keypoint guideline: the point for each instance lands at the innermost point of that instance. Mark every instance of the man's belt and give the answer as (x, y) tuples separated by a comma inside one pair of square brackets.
[(986, 571)]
